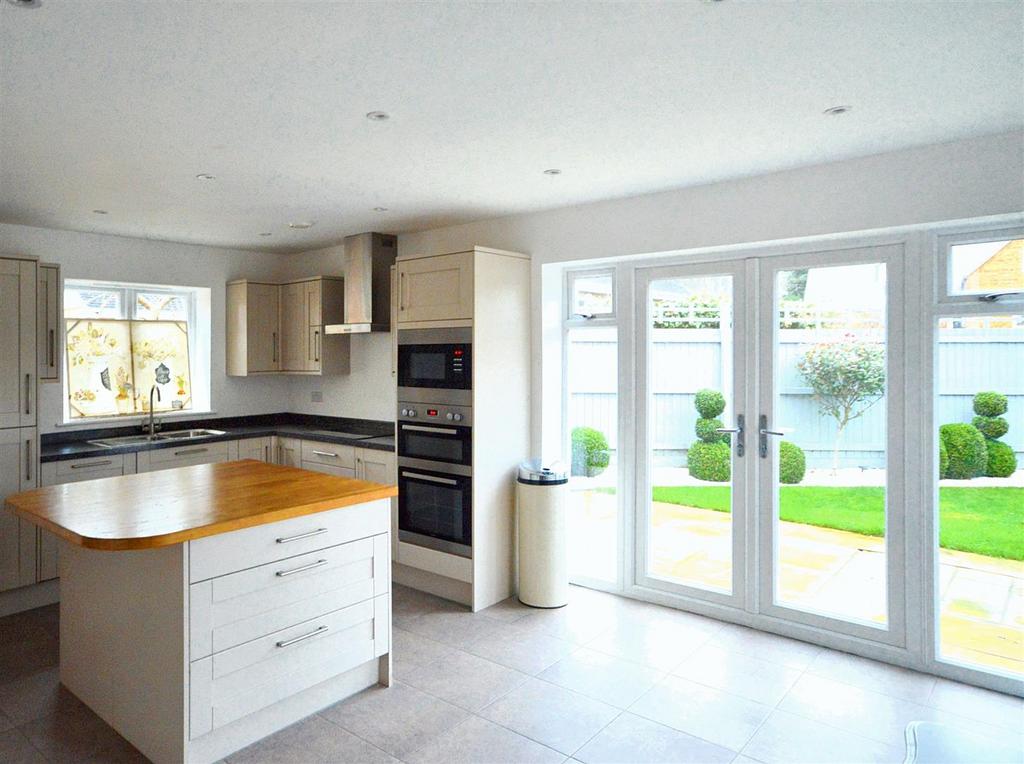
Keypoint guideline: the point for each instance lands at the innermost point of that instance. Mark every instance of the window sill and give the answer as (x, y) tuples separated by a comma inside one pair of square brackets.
[(92, 422)]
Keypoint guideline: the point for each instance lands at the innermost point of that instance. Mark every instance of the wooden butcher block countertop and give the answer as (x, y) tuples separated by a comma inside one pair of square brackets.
[(155, 509)]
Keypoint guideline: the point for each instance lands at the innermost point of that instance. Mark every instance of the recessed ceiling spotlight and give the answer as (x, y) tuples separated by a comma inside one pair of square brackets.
[(25, 3), (380, 209), (267, 233), (378, 116), (205, 176), (835, 111), (553, 171), (99, 212), (302, 224)]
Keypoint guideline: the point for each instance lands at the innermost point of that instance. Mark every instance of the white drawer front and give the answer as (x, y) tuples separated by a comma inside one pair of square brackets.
[(100, 466), (330, 469), (247, 548), (229, 610), (232, 684), (188, 454), (330, 454)]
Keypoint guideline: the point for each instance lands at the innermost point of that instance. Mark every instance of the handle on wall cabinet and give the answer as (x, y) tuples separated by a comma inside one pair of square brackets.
[(52, 349), (28, 393), (401, 291), (273, 345), (316, 345)]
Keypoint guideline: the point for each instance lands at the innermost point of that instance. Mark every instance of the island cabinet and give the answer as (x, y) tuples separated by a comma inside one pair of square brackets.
[(206, 607)]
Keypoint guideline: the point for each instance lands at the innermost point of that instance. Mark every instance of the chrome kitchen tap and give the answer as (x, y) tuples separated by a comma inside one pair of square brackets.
[(152, 425)]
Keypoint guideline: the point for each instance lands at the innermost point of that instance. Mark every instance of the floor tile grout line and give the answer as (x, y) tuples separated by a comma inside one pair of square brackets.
[(341, 727)]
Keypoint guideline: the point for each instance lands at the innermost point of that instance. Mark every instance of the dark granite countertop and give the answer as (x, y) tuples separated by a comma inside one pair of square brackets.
[(363, 433)]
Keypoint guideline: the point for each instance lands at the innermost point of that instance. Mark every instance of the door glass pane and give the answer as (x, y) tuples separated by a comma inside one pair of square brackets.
[(990, 266), (592, 388), (690, 366), (830, 383), (980, 413)]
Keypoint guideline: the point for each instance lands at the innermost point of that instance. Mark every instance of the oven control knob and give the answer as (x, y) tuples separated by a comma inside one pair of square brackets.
[(449, 416), (457, 417), (412, 412), (405, 412)]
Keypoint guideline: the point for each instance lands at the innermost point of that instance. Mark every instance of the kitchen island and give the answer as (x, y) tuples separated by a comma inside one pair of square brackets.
[(203, 608)]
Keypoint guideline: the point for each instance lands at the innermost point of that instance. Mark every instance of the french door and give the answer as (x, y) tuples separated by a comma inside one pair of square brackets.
[(769, 433)]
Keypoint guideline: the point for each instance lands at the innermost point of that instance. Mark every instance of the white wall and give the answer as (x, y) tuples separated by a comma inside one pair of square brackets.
[(114, 258), (368, 391), (963, 179)]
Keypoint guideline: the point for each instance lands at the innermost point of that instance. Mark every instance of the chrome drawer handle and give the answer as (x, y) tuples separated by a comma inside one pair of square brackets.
[(91, 464), (317, 564), (431, 478), (315, 632), (188, 451), (286, 539), (326, 453)]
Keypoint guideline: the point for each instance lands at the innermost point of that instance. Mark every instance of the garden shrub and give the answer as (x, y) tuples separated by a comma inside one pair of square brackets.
[(943, 459), (709, 403), (990, 404), (1002, 462), (792, 463), (991, 427), (710, 461), (967, 451), (705, 429), (590, 454)]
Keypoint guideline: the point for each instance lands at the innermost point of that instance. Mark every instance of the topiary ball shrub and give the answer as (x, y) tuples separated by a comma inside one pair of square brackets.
[(590, 452), (709, 461), (792, 463), (943, 459), (1002, 462), (990, 404), (709, 403), (968, 453), (706, 431), (991, 427)]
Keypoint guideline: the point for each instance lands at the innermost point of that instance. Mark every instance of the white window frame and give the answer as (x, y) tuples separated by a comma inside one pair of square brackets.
[(577, 319), (943, 272), (198, 316)]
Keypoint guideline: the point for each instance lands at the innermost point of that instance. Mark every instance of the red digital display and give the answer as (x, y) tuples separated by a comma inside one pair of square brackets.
[(457, 352), (431, 412)]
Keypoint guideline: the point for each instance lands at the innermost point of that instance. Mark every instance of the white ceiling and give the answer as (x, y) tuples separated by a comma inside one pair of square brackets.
[(118, 105)]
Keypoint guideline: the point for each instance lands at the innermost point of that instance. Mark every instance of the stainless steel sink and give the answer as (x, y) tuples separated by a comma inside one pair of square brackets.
[(189, 434), (136, 440)]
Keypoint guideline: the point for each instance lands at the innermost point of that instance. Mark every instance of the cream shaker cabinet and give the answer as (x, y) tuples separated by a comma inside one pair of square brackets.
[(18, 285), (376, 466), (437, 288), (18, 541), (253, 329), (49, 337), (289, 452), (260, 449)]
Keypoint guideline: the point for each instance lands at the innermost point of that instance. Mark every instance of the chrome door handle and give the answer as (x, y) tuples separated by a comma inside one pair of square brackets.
[(315, 632), (287, 539), (283, 573), (738, 429), (28, 459), (28, 393), (52, 345), (765, 432), (431, 478), (316, 346)]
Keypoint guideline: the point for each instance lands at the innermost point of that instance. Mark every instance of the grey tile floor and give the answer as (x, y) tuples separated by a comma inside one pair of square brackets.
[(604, 679)]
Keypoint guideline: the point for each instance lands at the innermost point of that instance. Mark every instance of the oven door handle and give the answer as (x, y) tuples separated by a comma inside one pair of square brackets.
[(431, 478), (438, 430)]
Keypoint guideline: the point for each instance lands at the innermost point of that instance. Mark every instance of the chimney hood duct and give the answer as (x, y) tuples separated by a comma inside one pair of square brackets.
[(368, 261)]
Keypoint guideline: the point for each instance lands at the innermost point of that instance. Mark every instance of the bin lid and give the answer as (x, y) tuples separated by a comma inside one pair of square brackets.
[(535, 472)]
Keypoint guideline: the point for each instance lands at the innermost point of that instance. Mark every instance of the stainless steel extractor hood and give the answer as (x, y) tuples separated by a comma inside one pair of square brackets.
[(368, 261)]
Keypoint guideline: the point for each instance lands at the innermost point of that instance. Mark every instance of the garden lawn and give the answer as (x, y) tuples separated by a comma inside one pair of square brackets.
[(988, 521)]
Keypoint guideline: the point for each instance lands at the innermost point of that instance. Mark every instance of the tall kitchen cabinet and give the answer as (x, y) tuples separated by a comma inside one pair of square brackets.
[(19, 449), (489, 291)]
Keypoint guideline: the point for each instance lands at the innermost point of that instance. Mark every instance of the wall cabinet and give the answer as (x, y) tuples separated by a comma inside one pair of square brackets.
[(18, 553), (253, 326), (18, 285), (279, 328), (438, 288), (49, 337)]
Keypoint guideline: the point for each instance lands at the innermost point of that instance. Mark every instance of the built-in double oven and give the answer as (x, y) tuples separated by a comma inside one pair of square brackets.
[(435, 439)]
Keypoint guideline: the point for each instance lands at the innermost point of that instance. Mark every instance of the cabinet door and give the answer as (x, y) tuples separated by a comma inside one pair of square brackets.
[(17, 343), (376, 466), (263, 328), (436, 288), (329, 469), (294, 326), (289, 452), (48, 336), (254, 448), (17, 537)]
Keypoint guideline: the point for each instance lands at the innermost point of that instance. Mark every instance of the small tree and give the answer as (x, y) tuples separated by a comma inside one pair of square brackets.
[(847, 377)]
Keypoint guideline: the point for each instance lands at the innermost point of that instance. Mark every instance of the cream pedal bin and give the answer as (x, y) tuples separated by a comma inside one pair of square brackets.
[(543, 535)]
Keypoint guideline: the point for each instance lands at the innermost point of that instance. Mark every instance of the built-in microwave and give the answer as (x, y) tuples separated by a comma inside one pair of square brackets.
[(435, 359)]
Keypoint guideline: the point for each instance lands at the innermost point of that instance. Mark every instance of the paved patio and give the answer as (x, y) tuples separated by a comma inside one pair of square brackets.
[(829, 571)]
